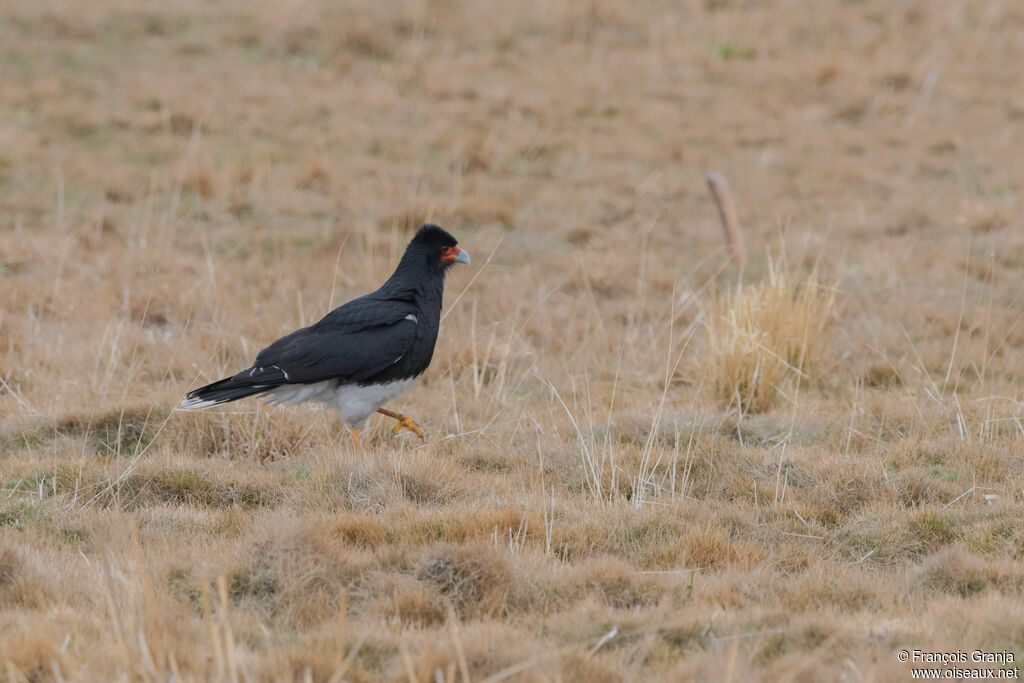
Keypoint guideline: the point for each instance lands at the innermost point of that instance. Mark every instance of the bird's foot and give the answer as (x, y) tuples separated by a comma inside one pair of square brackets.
[(403, 421), (406, 422)]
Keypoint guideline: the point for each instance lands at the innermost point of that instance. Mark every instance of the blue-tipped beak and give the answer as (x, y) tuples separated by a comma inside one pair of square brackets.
[(463, 256)]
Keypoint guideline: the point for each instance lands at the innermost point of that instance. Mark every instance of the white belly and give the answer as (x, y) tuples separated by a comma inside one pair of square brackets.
[(355, 404)]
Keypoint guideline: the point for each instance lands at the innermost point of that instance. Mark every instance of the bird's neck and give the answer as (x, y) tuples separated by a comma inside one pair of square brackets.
[(423, 287)]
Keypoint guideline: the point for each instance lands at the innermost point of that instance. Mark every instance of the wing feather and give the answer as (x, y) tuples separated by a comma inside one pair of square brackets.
[(353, 343)]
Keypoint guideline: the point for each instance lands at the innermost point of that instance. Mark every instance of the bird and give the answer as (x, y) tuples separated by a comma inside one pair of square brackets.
[(360, 355)]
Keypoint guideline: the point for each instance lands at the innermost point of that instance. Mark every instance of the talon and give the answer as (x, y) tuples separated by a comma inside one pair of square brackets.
[(404, 421), (407, 423)]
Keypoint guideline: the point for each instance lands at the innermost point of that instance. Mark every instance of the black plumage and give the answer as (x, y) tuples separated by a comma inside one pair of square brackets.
[(383, 339)]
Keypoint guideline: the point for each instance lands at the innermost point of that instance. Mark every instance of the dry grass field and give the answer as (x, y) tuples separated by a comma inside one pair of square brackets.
[(642, 464)]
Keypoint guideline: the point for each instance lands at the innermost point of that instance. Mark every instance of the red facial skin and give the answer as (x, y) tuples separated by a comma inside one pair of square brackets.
[(450, 254)]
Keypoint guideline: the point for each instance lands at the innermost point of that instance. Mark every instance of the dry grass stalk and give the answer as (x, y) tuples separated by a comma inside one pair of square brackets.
[(766, 337), (727, 212)]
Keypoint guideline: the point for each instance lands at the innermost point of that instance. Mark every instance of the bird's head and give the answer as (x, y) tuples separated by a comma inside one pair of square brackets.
[(437, 247)]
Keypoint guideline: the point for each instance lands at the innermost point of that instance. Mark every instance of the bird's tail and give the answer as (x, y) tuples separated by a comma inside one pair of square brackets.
[(224, 391)]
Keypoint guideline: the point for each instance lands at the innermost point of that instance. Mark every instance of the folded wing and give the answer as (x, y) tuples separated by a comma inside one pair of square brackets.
[(353, 343)]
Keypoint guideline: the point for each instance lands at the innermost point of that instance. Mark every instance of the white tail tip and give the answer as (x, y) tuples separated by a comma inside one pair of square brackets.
[(195, 403)]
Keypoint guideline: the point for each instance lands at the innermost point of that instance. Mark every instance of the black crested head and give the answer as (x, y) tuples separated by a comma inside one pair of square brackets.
[(429, 255), (433, 248), (434, 236)]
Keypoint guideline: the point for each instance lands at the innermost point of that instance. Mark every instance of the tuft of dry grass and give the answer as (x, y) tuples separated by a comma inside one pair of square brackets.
[(764, 340)]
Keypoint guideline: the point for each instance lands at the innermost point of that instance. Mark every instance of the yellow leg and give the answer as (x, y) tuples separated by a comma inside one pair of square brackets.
[(355, 437), (403, 421)]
